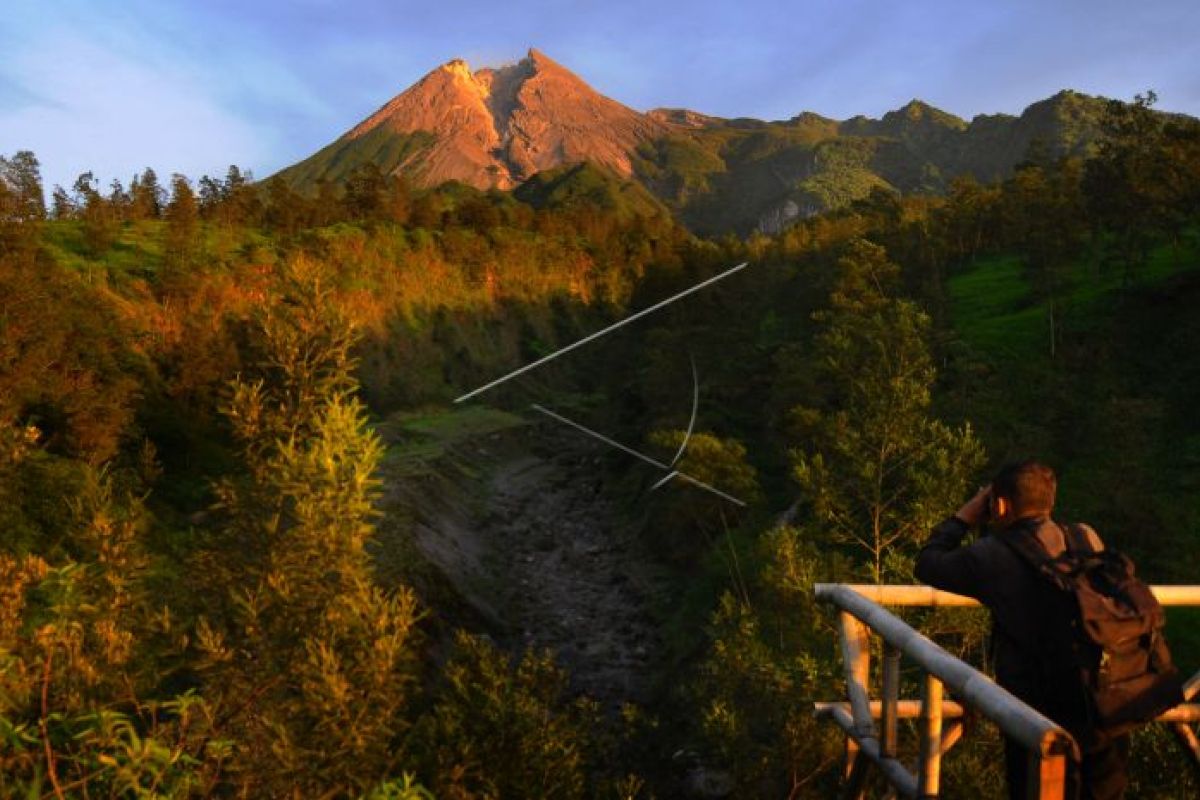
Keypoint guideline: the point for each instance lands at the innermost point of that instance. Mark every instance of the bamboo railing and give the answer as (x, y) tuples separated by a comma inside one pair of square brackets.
[(939, 721)]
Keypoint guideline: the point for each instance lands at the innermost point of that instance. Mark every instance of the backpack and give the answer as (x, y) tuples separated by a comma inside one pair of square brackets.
[(1116, 628)]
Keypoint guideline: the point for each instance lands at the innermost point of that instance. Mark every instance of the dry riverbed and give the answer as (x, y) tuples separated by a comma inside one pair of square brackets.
[(515, 517)]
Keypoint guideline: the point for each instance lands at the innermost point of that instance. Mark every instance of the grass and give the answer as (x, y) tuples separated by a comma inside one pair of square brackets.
[(994, 308), (417, 440)]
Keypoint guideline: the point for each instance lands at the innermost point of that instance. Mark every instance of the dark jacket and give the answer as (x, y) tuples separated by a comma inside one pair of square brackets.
[(1031, 643)]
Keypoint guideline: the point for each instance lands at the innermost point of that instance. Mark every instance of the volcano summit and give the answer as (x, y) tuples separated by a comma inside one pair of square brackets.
[(492, 128)]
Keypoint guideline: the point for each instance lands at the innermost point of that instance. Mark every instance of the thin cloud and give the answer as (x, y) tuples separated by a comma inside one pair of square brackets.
[(194, 86), (99, 110)]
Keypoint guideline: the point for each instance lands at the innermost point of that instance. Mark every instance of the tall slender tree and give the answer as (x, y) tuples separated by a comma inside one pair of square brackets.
[(181, 239), (146, 196), (876, 469)]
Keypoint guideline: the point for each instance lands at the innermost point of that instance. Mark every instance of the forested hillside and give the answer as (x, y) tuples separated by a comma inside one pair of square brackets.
[(227, 443)]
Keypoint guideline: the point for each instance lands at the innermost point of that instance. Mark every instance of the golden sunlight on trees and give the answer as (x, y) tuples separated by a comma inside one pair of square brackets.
[(81, 657), (311, 663)]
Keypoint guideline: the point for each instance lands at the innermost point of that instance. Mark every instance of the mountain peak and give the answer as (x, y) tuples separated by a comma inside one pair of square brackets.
[(538, 58), (918, 112), (457, 66), (496, 126)]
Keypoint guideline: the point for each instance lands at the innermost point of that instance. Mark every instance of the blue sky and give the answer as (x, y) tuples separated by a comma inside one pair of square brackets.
[(194, 86)]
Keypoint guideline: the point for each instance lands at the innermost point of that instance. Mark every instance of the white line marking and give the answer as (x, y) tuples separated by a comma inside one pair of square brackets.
[(695, 406), (712, 489), (601, 332), (611, 443), (636, 454), (664, 481)]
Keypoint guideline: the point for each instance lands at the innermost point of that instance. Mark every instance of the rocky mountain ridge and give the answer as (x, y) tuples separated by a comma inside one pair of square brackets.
[(495, 128)]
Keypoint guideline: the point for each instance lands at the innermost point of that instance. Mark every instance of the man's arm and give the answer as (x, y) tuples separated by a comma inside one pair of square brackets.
[(942, 562)]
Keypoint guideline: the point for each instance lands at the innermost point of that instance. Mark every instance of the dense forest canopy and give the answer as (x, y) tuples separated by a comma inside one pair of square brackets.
[(205, 387)]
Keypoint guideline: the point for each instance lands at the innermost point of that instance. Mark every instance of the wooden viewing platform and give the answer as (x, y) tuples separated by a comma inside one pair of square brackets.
[(861, 614)]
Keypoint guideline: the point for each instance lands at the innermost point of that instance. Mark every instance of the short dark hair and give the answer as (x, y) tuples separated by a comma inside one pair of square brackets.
[(1029, 485)]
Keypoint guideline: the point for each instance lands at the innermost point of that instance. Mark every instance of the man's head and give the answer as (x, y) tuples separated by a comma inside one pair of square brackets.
[(1023, 490)]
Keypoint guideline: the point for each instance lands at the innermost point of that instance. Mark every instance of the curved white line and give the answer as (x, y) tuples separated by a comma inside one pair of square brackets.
[(695, 405), (664, 481)]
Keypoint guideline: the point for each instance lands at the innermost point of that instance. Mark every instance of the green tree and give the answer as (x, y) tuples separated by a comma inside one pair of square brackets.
[(181, 238), (22, 204), (211, 192), (286, 211), (61, 205), (1043, 207), (22, 176), (499, 730), (78, 667), (876, 469), (66, 369), (146, 196), (312, 661), (366, 193), (687, 510), (327, 206), (1128, 181), (99, 222), (239, 202), (119, 200), (755, 690)]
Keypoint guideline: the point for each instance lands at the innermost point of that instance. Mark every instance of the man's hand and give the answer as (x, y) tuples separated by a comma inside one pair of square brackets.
[(975, 510)]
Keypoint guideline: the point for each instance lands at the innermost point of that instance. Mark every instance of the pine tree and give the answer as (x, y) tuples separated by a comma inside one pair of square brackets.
[(22, 175), (365, 193), (285, 209), (876, 469), (1125, 181), (100, 223), (181, 242), (239, 204), (61, 206), (22, 203), (146, 196)]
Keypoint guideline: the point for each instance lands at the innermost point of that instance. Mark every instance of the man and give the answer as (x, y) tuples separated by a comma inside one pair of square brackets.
[(1031, 644)]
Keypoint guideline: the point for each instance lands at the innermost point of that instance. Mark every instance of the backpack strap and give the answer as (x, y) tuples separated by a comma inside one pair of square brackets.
[(1082, 539), (1025, 544)]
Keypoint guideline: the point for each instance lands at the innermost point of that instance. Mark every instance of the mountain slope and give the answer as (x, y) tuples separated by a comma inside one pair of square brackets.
[(491, 129), (750, 175), (497, 128)]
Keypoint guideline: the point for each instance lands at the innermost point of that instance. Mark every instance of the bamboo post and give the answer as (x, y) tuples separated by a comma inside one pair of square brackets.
[(1191, 687), (1187, 739), (1049, 746), (1186, 713), (950, 735), (911, 709), (856, 777), (851, 757), (1047, 776), (891, 697), (927, 596), (931, 739), (868, 749), (1016, 719), (856, 653)]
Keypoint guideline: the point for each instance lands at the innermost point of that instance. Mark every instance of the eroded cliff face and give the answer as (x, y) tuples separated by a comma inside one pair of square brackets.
[(494, 128)]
